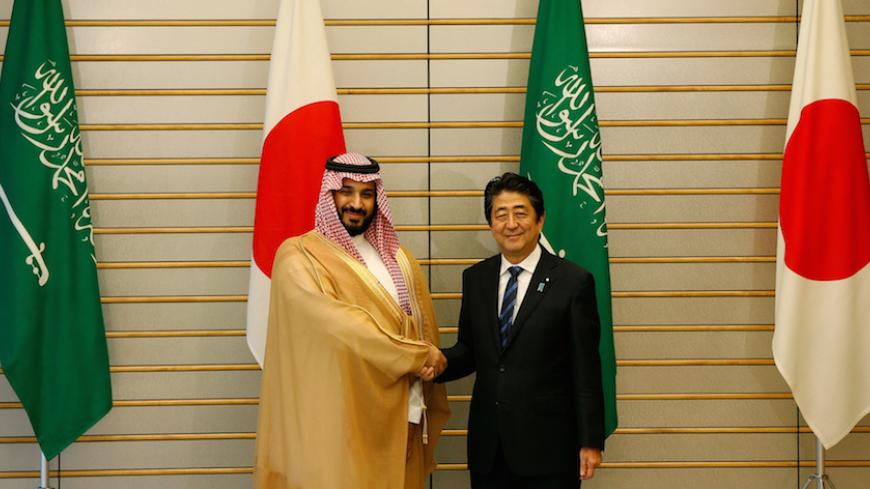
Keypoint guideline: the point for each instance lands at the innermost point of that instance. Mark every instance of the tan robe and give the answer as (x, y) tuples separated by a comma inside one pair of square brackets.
[(338, 368)]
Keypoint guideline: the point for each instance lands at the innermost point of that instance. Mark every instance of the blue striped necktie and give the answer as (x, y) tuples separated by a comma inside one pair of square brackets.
[(506, 316)]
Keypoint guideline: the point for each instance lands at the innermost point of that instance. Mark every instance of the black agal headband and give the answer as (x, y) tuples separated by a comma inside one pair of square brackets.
[(337, 166)]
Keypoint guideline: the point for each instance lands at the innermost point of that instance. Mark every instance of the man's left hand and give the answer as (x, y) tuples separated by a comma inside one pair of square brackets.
[(590, 458)]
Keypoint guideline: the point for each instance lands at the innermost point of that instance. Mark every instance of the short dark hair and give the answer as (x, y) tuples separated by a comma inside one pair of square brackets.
[(511, 182)]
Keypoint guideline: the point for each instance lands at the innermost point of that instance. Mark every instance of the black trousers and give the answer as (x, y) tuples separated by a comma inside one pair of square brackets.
[(501, 477)]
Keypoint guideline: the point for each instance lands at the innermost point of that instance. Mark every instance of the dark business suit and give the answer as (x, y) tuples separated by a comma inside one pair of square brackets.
[(538, 400)]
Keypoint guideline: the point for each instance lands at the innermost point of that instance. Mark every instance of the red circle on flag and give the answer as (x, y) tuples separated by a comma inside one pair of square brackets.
[(824, 210), (291, 173)]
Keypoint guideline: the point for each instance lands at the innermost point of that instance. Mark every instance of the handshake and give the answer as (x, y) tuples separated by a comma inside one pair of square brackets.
[(436, 362)]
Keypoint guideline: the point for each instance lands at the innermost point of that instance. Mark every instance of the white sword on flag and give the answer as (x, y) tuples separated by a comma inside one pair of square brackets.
[(39, 267)]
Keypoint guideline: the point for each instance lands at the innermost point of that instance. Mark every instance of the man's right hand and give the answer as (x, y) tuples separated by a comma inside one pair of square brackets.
[(436, 362)]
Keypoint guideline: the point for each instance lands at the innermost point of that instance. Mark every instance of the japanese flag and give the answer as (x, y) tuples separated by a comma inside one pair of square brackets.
[(822, 340), (302, 129)]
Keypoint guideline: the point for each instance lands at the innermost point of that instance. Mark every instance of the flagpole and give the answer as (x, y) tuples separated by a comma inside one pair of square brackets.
[(819, 477), (43, 471)]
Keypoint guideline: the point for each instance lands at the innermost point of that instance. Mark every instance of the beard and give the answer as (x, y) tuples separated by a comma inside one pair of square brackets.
[(359, 227)]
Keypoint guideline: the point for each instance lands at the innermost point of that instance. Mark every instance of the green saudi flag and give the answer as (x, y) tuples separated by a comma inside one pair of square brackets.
[(561, 152), (52, 341)]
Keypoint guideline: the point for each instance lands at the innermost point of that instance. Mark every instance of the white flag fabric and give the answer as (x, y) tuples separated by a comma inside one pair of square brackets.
[(302, 129), (821, 345)]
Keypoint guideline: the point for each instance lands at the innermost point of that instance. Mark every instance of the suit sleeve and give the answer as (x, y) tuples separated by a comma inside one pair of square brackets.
[(460, 357), (588, 390)]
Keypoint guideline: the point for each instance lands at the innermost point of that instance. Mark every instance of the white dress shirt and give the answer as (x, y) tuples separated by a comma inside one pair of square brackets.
[(528, 265), (376, 265)]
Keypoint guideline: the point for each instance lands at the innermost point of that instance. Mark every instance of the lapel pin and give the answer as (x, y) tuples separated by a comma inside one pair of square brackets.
[(541, 287)]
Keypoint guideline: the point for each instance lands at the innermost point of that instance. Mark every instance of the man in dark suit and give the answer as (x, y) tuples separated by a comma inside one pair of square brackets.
[(529, 327)]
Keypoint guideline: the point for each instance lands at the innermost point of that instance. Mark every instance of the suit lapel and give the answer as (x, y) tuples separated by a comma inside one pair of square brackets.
[(541, 283), (490, 290)]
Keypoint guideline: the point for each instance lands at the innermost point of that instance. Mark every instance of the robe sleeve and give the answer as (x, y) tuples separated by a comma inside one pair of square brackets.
[(306, 306)]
